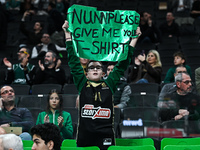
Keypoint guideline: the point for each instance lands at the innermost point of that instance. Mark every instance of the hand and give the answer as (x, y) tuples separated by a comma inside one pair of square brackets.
[(58, 64), (7, 63), (138, 32), (67, 34), (5, 125), (46, 119), (65, 26), (177, 117), (141, 58), (137, 62), (183, 112), (60, 121), (41, 65)]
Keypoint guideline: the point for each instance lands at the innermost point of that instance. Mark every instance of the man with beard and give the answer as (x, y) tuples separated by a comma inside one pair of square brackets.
[(49, 72), (11, 116), (22, 73), (181, 101), (46, 45)]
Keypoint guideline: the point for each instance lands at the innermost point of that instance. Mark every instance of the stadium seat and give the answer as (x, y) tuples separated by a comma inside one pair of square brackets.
[(182, 147), (146, 147), (179, 141), (134, 142)]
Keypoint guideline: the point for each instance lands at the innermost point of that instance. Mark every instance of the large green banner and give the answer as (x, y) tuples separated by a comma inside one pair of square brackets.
[(101, 35)]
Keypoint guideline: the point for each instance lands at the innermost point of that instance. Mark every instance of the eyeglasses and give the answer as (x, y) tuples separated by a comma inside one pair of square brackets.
[(182, 71), (23, 52), (92, 68), (187, 82), (7, 91), (45, 37)]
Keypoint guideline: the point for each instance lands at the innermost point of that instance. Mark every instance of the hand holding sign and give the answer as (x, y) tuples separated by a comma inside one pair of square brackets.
[(101, 35)]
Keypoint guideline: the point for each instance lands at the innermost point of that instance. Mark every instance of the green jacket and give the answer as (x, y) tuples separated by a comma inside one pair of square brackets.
[(67, 130), (170, 74)]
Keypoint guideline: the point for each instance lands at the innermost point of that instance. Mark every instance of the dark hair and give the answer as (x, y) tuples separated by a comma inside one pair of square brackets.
[(180, 54), (111, 63), (86, 69), (60, 109), (48, 132)]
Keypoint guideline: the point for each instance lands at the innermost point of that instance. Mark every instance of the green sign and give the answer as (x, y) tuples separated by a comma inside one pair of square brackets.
[(101, 35)]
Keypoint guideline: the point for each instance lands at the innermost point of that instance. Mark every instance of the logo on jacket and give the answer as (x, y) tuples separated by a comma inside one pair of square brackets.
[(89, 111)]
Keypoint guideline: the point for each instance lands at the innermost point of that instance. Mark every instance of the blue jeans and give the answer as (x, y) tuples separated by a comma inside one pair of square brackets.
[(142, 81)]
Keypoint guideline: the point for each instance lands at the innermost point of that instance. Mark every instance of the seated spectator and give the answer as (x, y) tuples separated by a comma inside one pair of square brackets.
[(170, 86), (49, 72), (146, 69), (179, 59), (22, 73), (197, 79), (33, 36), (10, 142), (181, 101), (26, 5), (195, 12), (46, 45), (150, 33), (11, 116), (47, 135), (121, 96), (181, 8), (55, 114), (169, 28)]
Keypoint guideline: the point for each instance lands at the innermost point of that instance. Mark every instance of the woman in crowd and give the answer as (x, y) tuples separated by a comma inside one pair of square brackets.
[(55, 114), (146, 69)]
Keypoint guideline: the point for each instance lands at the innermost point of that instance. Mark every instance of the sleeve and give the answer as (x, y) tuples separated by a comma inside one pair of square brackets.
[(27, 120), (134, 73), (76, 68), (155, 72), (119, 70), (9, 76), (60, 76), (67, 129), (40, 119), (125, 97), (39, 76), (60, 48), (169, 76)]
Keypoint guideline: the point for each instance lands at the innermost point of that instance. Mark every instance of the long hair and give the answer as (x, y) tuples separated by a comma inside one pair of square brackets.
[(157, 55), (60, 108)]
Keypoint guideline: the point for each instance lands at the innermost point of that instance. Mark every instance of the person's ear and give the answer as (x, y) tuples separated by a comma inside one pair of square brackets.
[(103, 74), (50, 145), (178, 84), (183, 61)]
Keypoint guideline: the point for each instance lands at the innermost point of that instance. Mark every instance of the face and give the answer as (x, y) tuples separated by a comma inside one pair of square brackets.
[(185, 85), (146, 16), (37, 26), (22, 54), (39, 144), (169, 17), (84, 61), (151, 58), (178, 60), (7, 93), (54, 101), (95, 71), (48, 59), (180, 70), (45, 39), (109, 69)]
